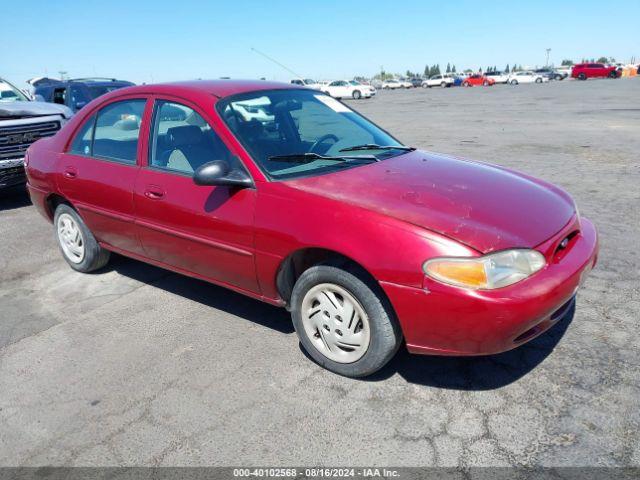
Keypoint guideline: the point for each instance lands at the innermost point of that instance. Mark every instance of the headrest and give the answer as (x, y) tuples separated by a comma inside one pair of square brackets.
[(186, 135)]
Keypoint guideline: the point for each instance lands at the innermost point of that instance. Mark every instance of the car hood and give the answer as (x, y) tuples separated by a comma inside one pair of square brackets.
[(483, 206), (32, 109)]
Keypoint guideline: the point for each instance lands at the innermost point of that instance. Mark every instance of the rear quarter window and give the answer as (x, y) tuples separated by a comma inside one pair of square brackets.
[(81, 144)]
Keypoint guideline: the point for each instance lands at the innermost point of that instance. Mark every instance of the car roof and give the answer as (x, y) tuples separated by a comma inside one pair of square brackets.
[(219, 88)]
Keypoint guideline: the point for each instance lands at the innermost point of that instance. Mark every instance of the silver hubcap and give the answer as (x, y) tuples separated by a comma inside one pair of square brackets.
[(70, 237), (336, 323)]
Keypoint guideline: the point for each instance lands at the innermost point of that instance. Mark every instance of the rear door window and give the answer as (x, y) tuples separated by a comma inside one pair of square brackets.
[(117, 129)]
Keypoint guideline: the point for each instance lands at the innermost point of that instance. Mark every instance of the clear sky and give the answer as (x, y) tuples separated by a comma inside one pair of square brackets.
[(152, 41)]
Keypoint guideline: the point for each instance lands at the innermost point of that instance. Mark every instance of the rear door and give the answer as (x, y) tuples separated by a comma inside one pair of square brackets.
[(202, 230), (99, 170)]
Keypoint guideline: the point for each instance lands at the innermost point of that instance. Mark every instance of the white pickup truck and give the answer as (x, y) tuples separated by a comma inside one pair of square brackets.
[(22, 122), (440, 80)]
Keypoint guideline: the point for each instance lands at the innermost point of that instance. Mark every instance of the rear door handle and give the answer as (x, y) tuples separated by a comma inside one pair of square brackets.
[(154, 192), (70, 172)]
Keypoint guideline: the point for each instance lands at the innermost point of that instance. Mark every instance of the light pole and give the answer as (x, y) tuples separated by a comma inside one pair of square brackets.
[(548, 51)]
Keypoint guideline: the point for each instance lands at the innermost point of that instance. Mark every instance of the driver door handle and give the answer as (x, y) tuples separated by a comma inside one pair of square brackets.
[(154, 192), (70, 172)]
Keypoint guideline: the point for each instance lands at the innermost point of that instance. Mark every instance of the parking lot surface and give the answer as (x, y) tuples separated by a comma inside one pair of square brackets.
[(134, 365)]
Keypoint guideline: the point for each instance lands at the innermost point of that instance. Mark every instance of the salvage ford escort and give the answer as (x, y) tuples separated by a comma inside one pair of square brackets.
[(288, 196)]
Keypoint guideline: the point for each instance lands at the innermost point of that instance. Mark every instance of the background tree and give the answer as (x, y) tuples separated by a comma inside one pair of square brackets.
[(507, 68), (426, 71), (603, 60), (453, 69), (448, 68), (566, 62)]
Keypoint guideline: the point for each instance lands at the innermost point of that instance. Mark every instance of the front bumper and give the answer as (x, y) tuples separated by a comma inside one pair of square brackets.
[(446, 320), (12, 173)]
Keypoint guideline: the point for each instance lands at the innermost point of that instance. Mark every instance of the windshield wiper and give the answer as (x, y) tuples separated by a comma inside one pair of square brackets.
[(311, 157), (373, 146)]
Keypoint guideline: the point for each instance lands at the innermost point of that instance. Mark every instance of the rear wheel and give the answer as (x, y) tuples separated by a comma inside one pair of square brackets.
[(443, 84), (78, 245), (466, 84), (514, 82), (485, 83), (343, 320), (582, 76), (356, 94), (613, 74), (538, 80)]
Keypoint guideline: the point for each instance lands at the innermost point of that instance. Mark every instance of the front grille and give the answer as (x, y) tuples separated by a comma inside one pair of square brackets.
[(15, 140)]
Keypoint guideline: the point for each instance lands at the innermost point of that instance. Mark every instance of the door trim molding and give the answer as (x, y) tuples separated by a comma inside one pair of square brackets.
[(193, 238)]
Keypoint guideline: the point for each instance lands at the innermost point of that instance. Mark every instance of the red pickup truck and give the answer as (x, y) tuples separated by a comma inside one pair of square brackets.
[(582, 71)]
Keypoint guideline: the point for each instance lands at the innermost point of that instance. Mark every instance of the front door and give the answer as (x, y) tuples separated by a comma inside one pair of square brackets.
[(203, 230), (99, 172)]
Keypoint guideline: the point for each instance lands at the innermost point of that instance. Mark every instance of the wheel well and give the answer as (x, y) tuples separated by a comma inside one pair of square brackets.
[(296, 263), (53, 201)]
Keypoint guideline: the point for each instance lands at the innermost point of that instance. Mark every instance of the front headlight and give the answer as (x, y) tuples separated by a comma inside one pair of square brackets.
[(491, 271)]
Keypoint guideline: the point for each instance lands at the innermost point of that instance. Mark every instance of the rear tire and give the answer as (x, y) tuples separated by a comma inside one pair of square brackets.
[(338, 344), (485, 84), (582, 76), (77, 244), (466, 84), (613, 74), (538, 80), (443, 84), (514, 82)]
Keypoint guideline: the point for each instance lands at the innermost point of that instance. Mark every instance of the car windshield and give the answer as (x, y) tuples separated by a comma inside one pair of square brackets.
[(9, 93), (291, 123), (309, 81)]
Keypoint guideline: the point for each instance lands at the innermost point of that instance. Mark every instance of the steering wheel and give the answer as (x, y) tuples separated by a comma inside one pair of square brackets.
[(322, 139)]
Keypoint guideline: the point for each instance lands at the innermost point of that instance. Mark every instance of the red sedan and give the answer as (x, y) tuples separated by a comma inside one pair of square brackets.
[(288, 196), (477, 80), (582, 71)]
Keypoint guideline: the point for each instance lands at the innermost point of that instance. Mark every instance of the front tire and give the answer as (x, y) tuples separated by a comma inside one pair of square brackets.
[(582, 76), (538, 80), (514, 82), (344, 321), (356, 95), (79, 247)]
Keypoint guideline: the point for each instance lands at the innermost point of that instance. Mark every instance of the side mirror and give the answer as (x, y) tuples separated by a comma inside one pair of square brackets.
[(218, 173)]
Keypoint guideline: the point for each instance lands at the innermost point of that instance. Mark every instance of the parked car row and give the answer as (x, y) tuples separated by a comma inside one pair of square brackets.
[(338, 88), (581, 71)]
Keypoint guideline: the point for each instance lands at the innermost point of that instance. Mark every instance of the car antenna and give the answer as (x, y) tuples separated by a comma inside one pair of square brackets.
[(299, 77)]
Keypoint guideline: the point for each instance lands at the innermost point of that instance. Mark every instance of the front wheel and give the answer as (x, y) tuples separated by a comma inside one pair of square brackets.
[(582, 76), (356, 94), (443, 84), (514, 82), (485, 83), (538, 80), (78, 245), (466, 84), (343, 321)]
